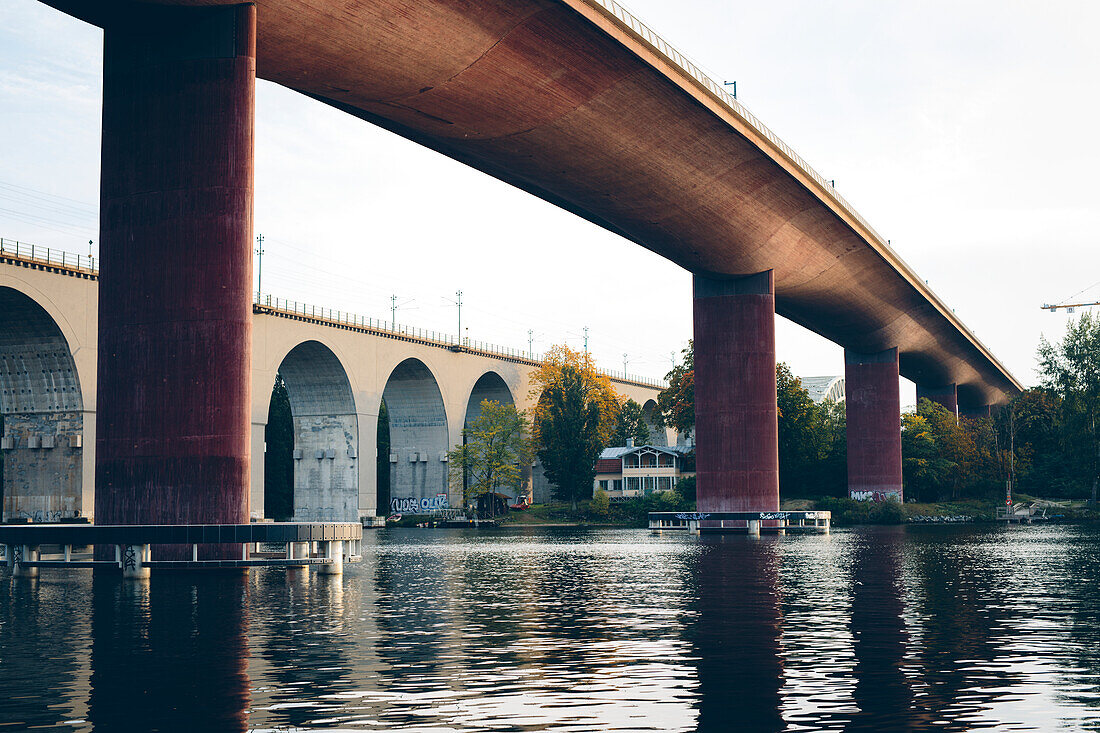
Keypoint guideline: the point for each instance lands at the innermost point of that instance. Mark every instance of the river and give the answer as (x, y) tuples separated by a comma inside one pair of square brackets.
[(946, 628)]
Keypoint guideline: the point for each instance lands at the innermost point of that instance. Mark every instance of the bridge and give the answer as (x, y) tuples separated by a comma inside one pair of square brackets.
[(574, 101), (337, 367)]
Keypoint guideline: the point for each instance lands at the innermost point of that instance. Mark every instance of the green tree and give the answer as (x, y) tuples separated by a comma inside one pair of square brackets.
[(1071, 369), (495, 446), (677, 401), (601, 503), (382, 460), (569, 434), (631, 424), (279, 455)]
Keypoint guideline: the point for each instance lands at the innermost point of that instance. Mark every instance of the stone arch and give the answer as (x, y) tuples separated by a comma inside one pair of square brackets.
[(418, 438), (326, 434), (657, 433), (42, 407)]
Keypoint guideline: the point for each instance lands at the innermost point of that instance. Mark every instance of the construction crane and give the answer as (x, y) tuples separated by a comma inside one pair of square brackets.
[(1067, 306), (1071, 307)]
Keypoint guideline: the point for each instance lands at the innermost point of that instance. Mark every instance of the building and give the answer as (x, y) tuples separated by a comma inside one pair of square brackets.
[(629, 471), (824, 389)]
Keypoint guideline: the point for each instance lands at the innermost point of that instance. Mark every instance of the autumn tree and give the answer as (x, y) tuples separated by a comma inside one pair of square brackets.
[(495, 447), (575, 418), (631, 424)]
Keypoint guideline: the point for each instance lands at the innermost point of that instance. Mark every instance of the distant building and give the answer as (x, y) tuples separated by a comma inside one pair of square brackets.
[(628, 471), (824, 389)]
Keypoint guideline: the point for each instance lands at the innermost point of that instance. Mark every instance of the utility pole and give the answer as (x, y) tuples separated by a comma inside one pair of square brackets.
[(624, 364), (260, 268), (586, 339), (459, 304), (731, 84), (393, 308), (530, 343)]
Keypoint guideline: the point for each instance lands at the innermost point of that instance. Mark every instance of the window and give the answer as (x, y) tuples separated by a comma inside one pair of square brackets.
[(634, 483), (618, 484), (664, 483), (603, 484), (665, 460), (649, 460)]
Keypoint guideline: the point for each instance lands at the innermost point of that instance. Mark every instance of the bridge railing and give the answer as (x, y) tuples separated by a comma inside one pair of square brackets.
[(685, 64), (428, 337), (48, 255)]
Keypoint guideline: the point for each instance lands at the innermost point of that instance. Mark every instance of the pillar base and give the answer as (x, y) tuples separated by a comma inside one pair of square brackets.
[(24, 553), (334, 551)]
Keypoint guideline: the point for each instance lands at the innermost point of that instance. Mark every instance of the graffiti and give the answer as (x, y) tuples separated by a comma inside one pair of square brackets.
[(415, 505), (773, 515), (692, 516), (876, 495), (129, 558), (16, 555), (39, 516)]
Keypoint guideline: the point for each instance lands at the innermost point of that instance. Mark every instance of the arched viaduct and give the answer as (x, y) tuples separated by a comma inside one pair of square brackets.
[(574, 101), (337, 374)]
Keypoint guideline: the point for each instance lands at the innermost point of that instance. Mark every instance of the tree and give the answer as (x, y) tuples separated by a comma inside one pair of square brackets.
[(631, 424), (382, 459), (570, 435), (495, 446), (1071, 369), (279, 454), (597, 387), (677, 401)]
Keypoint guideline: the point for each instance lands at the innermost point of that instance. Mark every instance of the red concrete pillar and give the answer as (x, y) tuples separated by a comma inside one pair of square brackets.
[(737, 441), (946, 395), (175, 320), (873, 407)]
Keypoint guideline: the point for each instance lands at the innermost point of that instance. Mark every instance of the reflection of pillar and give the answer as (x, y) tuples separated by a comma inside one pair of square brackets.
[(735, 635), (879, 637), (162, 648), (735, 411), (174, 299), (873, 408), (946, 395)]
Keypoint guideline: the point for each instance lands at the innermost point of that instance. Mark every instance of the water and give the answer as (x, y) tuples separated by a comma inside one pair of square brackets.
[(920, 628)]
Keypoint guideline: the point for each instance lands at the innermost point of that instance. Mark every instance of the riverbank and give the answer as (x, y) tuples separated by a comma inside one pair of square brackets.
[(635, 513)]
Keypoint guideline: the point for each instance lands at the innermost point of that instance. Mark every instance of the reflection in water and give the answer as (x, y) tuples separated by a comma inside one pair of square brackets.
[(735, 633), (169, 653), (879, 638), (925, 628)]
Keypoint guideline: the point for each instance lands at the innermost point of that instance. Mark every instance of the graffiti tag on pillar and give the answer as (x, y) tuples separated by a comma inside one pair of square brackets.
[(412, 504), (17, 554), (692, 516), (129, 558)]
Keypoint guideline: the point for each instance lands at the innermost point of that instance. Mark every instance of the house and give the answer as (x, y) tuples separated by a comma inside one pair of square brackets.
[(628, 471)]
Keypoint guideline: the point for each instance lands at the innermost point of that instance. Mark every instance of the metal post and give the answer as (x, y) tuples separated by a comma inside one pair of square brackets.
[(334, 552)]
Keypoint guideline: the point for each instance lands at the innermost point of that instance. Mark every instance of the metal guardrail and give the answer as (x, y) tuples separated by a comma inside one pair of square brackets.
[(281, 306), (48, 256)]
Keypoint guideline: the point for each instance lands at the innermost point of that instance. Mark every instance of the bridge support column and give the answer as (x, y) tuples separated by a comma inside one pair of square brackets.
[(735, 410), (175, 320), (873, 406), (946, 395), (25, 553), (975, 412)]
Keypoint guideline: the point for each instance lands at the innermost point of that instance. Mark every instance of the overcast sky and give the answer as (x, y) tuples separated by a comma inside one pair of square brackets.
[(966, 132)]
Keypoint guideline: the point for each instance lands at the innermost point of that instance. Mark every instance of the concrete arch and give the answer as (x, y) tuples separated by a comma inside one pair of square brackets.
[(43, 408), (418, 437), (326, 434), (489, 386), (658, 435)]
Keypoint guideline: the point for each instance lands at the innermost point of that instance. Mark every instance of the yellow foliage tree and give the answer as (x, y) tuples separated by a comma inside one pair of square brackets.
[(598, 388)]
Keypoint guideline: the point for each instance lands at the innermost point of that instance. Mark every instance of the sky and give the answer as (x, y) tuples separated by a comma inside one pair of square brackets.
[(963, 131)]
